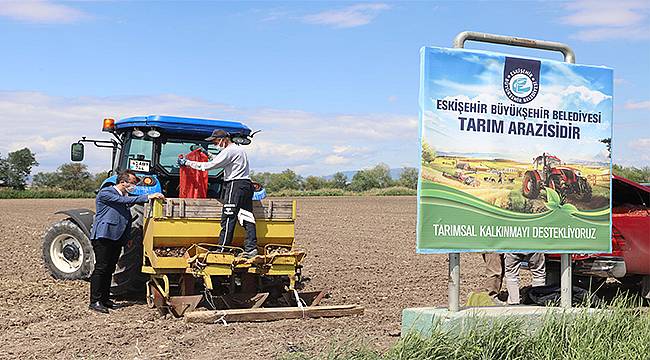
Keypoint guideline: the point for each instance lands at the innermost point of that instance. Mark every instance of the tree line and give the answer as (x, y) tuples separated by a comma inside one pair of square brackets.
[(377, 177), (16, 168), (640, 175)]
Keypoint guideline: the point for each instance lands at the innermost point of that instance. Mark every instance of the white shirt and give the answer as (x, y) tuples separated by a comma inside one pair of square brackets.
[(232, 159), (118, 190)]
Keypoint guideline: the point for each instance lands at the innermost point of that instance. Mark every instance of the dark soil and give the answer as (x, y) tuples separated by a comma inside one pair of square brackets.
[(362, 249)]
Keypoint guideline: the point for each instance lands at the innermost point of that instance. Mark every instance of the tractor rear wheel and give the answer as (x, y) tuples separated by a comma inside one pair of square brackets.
[(585, 190), (128, 279), (530, 186), (67, 251), (68, 255)]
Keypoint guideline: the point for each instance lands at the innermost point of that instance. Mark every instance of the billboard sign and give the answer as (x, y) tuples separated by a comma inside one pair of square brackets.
[(514, 154)]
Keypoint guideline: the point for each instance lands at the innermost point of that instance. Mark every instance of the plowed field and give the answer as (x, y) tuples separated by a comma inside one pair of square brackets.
[(360, 248)]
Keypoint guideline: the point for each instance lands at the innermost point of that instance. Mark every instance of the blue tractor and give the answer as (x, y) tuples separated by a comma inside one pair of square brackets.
[(148, 145)]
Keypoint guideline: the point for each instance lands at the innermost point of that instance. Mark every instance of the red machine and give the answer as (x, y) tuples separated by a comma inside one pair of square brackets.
[(563, 179), (629, 261)]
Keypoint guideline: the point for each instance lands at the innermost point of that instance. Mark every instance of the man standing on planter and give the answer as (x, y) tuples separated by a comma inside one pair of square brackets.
[(238, 189)]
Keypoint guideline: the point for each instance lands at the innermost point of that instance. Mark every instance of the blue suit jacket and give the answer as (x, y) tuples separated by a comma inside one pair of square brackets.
[(113, 216)]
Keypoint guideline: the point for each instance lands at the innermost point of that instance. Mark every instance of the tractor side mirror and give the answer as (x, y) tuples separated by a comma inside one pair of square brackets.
[(77, 152)]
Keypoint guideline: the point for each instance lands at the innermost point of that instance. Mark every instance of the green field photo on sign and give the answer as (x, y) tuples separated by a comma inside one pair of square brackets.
[(514, 154)]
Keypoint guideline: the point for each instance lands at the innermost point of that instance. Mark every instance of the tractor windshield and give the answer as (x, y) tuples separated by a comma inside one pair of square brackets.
[(139, 155), (553, 161), (172, 148)]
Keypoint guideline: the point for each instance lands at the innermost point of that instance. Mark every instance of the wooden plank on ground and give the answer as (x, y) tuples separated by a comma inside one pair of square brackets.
[(271, 314)]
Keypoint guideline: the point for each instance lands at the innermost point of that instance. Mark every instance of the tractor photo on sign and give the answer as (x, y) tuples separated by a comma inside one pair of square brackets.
[(549, 172)]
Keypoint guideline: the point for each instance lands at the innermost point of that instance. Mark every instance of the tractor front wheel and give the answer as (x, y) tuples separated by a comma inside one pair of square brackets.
[(67, 251), (530, 186)]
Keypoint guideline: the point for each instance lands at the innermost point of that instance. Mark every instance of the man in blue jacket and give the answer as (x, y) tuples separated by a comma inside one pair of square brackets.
[(110, 232)]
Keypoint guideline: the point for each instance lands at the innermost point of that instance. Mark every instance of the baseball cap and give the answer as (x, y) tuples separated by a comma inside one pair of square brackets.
[(217, 134)]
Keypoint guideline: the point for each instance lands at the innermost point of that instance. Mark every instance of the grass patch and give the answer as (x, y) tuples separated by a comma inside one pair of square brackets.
[(391, 191), (44, 194), (620, 331)]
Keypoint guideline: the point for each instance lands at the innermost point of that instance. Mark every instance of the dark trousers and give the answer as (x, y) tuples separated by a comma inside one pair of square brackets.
[(238, 204), (107, 252)]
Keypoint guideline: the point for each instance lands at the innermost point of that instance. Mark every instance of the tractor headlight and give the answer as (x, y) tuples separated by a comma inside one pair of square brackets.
[(137, 133), (153, 133)]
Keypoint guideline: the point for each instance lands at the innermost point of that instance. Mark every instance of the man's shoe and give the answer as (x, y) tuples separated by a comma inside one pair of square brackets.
[(111, 305), (99, 307), (249, 254)]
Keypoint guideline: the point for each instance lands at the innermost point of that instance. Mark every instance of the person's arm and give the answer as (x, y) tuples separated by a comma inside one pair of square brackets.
[(109, 196), (217, 161)]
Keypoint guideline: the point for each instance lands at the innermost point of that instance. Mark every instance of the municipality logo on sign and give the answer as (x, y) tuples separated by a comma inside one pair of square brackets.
[(521, 79)]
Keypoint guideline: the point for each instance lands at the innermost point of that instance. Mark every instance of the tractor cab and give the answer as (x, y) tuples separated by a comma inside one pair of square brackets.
[(150, 146), (546, 161)]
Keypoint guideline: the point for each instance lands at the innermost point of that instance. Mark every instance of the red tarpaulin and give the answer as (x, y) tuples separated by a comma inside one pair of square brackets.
[(194, 183)]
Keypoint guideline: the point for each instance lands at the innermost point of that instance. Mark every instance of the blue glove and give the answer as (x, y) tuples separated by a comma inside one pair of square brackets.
[(181, 162)]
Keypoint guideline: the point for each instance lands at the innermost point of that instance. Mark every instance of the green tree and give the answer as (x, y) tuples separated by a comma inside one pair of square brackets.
[(382, 173), (409, 178), (263, 178), (374, 178), (314, 183), (428, 154), (99, 179), (70, 176), (47, 179), (287, 180), (75, 176), (16, 168), (635, 174), (339, 181)]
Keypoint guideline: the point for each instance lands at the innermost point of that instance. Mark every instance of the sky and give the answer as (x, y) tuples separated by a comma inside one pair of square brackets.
[(478, 77), (332, 85)]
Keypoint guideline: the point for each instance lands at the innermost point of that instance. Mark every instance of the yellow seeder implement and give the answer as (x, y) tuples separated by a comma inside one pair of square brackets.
[(188, 267)]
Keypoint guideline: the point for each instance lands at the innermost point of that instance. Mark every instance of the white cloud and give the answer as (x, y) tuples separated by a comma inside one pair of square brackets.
[(638, 105), (605, 13), (40, 11), (348, 17), (642, 144), (349, 150), (606, 20), (620, 81), (286, 154), (585, 94), (336, 160), (606, 33), (309, 143)]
